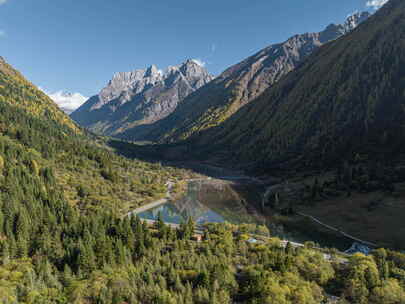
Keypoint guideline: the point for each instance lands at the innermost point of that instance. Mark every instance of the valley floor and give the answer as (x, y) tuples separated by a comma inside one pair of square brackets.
[(383, 225)]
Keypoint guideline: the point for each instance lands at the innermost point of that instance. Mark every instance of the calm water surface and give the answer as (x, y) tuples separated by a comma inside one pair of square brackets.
[(207, 203), (195, 204), (171, 214)]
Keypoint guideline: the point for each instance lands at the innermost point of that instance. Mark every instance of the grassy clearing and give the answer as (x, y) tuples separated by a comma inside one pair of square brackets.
[(377, 217)]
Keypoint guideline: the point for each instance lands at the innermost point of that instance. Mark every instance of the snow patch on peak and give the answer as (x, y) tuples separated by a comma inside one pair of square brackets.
[(355, 19)]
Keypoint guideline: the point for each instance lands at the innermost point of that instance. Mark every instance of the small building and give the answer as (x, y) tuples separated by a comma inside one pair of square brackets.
[(358, 248), (197, 237)]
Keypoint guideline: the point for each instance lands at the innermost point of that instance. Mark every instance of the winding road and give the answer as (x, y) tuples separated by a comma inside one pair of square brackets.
[(337, 230), (168, 197)]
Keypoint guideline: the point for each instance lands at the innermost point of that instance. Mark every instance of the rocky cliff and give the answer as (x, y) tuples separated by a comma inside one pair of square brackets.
[(140, 97), (240, 84)]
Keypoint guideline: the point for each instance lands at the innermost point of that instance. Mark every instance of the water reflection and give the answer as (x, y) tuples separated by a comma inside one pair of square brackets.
[(218, 202), (171, 214), (195, 204), (168, 211)]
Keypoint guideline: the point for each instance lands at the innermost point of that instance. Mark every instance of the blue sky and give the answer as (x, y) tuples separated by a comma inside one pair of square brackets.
[(77, 45)]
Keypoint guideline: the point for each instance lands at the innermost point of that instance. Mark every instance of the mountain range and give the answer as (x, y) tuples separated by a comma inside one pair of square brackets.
[(333, 125), (331, 130), (240, 84), (210, 104), (345, 98), (133, 99)]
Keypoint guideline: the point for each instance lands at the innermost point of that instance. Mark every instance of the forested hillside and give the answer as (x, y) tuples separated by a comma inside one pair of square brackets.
[(105, 260), (62, 241), (37, 139), (63, 238), (238, 85), (18, 92), (347, 98), (334, 129)]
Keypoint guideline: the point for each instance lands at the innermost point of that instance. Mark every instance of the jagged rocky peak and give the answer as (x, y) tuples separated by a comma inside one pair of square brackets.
[(152, 71), (128, 76), (191, 67), (354, 20), (195, 73), (138, 80), (333, 31), (241, 83), (135, 81), (2, 60), (148, 95)]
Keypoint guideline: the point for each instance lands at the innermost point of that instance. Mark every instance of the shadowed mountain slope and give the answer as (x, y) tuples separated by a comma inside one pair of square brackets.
[(347, 97), (239, 85)]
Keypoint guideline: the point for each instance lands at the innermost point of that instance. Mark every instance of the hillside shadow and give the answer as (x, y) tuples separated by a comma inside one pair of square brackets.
[(178, 156)]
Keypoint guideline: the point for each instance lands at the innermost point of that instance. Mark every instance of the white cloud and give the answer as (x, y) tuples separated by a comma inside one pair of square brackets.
[(68, 102), (2, 1), (376, 4), (199, 62)]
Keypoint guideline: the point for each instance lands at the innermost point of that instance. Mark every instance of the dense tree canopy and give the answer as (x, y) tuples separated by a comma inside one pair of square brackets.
[(63, 238)]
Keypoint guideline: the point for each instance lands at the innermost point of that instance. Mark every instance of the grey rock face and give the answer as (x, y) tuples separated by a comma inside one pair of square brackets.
[(140, 97), (155, 99), (240, 84), (354, 20), (266, 67)]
